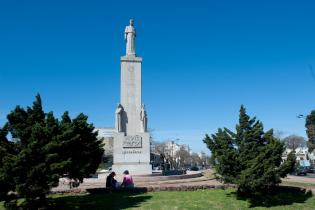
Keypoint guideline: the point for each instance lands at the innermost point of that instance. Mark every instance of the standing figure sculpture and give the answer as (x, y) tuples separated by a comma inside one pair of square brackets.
[(130, 37), (144, 119), (119, 118)]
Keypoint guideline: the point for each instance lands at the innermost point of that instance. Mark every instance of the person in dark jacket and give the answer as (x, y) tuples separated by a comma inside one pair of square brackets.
[(111, 181)]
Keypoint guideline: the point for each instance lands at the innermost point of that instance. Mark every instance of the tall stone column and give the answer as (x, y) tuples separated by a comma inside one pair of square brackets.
[(130, 92), (131, 140)]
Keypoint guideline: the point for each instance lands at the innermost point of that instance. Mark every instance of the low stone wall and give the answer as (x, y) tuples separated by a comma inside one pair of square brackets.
[(166, 178), (153, 177), (187, 188), (149, 189)]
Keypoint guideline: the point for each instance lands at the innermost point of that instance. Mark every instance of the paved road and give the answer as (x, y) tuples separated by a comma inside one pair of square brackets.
[(310, 178), (311, 175)]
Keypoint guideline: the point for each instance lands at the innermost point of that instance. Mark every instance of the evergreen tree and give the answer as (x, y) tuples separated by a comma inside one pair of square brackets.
[(44, 150), (84, 149), (35, 169), (249, 158), (7, 152), (310, 130)]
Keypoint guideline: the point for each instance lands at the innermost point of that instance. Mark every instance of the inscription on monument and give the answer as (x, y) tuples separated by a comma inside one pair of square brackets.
[(131, 152), (132, 142)]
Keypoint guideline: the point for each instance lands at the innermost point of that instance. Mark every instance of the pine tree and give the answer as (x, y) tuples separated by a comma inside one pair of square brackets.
[(7, 157), (84, 149), (44, 150), (310, 130), (35, 169), (249, 158), (7, 152)]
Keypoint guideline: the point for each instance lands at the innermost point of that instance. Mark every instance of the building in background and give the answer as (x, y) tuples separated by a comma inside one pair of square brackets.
[(107, 134), (303, 156)]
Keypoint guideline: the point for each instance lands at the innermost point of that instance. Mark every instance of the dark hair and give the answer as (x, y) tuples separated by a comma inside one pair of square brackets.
[(113, 173), (126, 172)]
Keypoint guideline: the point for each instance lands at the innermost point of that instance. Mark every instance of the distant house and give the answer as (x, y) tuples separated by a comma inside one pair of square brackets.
[(303, 157), (108, 139), (171, 148)]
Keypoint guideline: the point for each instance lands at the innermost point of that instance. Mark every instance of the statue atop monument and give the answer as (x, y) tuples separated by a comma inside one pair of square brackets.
[(130, 38)]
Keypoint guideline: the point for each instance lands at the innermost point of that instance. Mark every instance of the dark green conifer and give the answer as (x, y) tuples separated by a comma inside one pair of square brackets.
[(249, 158), (310, 130), (43, 150)]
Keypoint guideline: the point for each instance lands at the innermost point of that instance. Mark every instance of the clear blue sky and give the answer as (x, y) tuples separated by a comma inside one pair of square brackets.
[(201, 61)]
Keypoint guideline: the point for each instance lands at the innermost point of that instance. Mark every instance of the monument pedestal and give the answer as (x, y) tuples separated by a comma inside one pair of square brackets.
[(134, 169), (132, 153)]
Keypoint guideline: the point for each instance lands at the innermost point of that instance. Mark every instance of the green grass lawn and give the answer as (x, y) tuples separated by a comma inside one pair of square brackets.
[(207, 199)]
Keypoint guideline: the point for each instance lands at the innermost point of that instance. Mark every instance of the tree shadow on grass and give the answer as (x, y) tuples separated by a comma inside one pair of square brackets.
[(279, 196), (99, 199)]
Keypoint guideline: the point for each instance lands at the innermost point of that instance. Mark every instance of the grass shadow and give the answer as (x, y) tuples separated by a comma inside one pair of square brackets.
[(100, 199), (279, 196)]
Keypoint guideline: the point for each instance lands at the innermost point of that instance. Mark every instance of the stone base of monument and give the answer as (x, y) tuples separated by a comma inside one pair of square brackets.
[(134, 169), (132, 153)]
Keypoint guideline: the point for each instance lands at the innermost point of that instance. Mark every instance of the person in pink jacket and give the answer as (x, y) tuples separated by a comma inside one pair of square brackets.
[(127, 181)]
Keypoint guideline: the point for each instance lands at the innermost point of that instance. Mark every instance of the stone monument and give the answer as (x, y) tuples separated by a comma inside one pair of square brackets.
[(131, 139)]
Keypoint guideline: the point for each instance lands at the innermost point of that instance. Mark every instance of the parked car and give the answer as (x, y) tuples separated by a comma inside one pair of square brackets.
[(301, 171), (194, 168), (311, 170)]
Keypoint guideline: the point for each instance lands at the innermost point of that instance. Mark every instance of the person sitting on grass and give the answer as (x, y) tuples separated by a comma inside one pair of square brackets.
[(127, 181), (111, 181)]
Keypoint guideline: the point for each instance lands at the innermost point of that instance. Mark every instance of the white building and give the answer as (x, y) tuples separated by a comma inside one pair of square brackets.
[(171, 148), (303, 156), (108, 139)]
